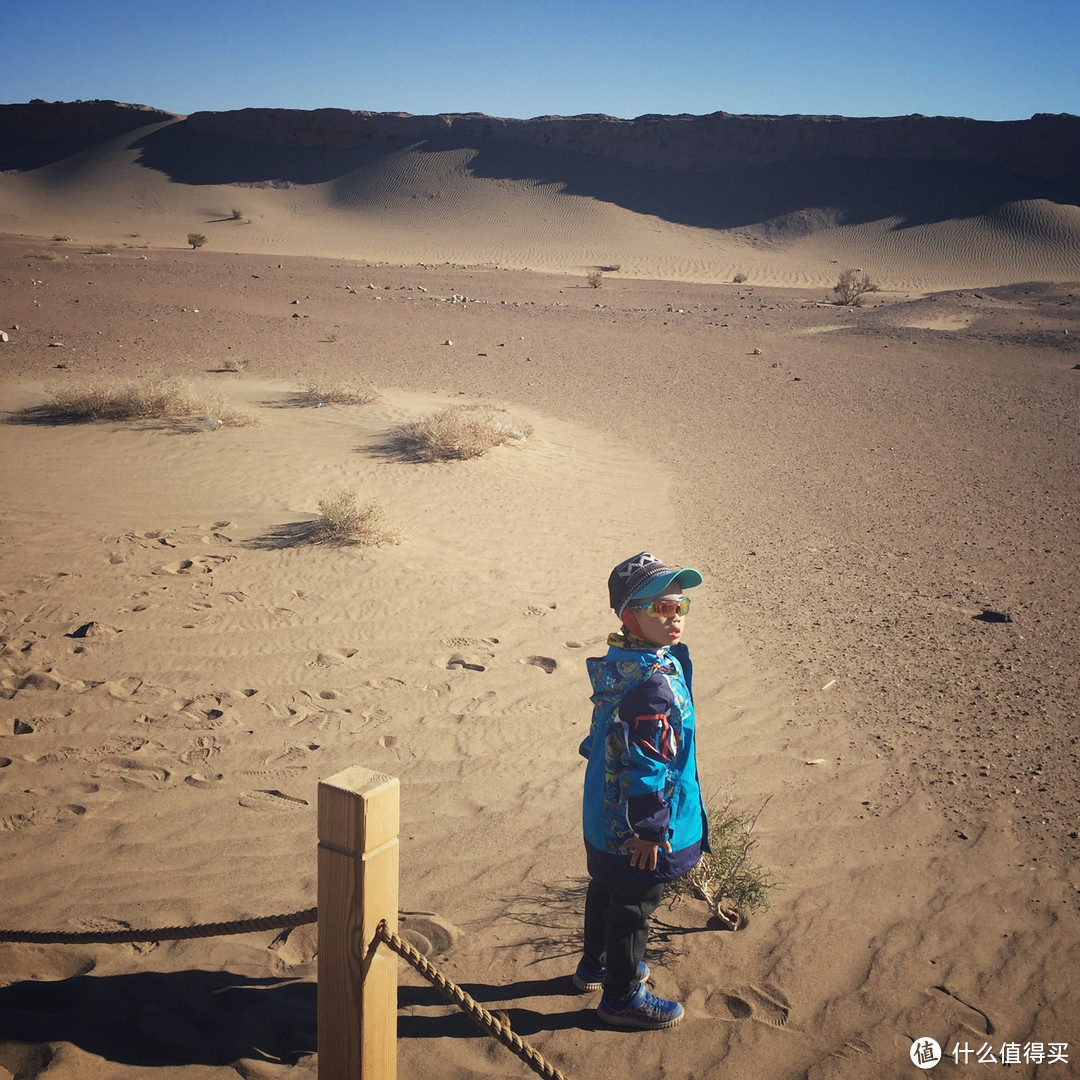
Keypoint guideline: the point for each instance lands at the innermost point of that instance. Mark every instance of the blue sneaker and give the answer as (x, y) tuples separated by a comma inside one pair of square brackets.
[(590, 974), (640, 1010)]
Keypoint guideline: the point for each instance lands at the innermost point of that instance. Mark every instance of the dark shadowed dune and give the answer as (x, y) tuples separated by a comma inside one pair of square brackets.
[(562, 192), (814, 192), (38, 133)]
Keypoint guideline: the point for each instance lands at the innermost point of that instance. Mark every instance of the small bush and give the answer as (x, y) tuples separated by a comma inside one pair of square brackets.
[(739, 278), (154, 397), (726, 879), (220, 409), (237, 215), (149, 398), (595, 278), (196, 239), (337, 393), (458, 432), (852, 285), (344, 520)]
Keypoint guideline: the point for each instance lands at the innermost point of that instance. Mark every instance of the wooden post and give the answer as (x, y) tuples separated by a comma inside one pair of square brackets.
[(358, 888)]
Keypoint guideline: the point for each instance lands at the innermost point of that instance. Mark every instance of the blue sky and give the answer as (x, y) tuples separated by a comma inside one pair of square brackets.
[(987, 59)]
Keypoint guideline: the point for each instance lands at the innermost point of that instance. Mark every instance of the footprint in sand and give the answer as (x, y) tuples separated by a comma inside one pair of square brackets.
[(271, 799), (328, 720), (332, 658), (45, 679), (135, 773), (203, 780), (466, 661), (427, 933), (297, 945), (140, 601), (123, 688), (545, 663), (206, 746), (457, 661), (204, 712), (469, 642), (968, 1015), (15, 822), (292, 757), (765, 1004), (201, 564), (583, 644)]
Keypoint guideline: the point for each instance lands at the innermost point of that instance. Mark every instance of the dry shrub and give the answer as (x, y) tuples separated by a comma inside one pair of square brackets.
[(726, 878), (595, 278), (225, 413), (196, 239), (739, 278), (151, 398), (458, 432), (355, 392), (345, 520), (852, 285)]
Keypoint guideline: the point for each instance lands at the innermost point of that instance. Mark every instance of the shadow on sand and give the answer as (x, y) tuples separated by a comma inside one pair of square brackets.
[(789, 199), (154, 1019)]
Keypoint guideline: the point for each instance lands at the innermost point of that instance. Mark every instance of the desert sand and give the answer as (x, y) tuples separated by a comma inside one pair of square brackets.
[(858, 485)]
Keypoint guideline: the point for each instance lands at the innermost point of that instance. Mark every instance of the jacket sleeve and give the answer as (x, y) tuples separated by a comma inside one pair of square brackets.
[(645, 714)]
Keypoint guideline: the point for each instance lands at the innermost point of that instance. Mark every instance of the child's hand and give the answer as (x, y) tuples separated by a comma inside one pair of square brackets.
[(643, 852)]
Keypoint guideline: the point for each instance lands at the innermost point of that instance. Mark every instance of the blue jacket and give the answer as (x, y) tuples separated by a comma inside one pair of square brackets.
[(641, 778)]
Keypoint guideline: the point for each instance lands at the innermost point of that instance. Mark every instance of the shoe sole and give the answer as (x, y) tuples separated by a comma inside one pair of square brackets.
[(589, 987), (615, 1020)]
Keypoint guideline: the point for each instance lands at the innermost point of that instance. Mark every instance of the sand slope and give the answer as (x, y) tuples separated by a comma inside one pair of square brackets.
[(856, 485), (792, 208)]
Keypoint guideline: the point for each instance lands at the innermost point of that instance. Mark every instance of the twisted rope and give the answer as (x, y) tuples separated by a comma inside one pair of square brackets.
[(495, 1027), (499, 1029), (168, 933)]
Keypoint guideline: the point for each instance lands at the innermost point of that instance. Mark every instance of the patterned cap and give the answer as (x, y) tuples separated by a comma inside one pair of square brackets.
[(646, 575)]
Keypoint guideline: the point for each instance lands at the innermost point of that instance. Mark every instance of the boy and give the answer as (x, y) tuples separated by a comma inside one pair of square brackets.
[(644, 818)]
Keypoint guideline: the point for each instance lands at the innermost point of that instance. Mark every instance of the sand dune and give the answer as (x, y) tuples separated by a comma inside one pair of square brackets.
[(918, 215), (860, 487)]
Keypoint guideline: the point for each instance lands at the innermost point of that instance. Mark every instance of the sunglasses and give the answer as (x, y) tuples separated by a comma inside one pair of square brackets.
[(663, 609)]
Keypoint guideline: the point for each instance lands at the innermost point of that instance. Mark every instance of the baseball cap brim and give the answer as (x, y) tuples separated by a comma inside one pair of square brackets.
[(686, 578)]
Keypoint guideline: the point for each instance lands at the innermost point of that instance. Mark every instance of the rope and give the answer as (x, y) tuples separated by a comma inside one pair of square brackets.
[(169, 933), (499, 1029)]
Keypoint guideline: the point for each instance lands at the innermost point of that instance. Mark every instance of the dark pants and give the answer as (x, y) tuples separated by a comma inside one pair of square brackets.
[(617, 930)]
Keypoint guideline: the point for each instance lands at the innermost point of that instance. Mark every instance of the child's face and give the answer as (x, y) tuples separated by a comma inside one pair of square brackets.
[(660, 629)]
